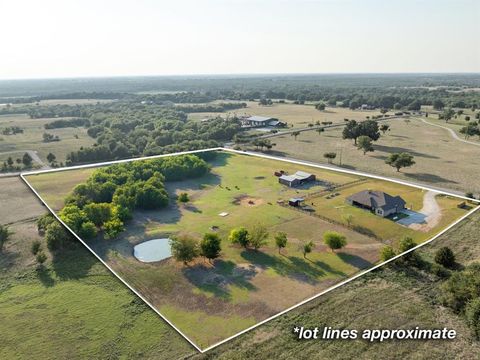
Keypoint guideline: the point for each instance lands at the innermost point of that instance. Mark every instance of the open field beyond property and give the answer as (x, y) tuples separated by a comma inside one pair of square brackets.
[(209, 302), (441, 160), (296, 115), (32, 139)]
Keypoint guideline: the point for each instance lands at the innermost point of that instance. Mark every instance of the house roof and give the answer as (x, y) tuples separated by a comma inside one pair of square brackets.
[(378, 199), (259, 118), (299, 199)]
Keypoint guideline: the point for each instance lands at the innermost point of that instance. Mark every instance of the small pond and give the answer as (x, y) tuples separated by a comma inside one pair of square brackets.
[(153, 250)]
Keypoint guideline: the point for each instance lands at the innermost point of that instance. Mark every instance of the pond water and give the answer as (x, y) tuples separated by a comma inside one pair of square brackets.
[(153, 250)]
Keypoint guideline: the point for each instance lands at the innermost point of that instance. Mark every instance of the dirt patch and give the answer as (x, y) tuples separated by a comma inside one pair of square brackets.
[(247, 201)]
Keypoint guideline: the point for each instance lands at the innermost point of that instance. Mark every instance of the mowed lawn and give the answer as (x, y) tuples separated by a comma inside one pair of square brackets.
[(386, 229), (210, 302), (297, 115), (441, 160), (71, 139)]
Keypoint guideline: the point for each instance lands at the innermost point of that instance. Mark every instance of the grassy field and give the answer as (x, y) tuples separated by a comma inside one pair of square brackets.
[(71, 139), (73, 307), (441, 160), (297, 115), (246, 286), (389, 298), (84, 327)]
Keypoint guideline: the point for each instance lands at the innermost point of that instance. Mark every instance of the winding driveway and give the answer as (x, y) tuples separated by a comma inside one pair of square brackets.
[(452, 132), (430, 213)]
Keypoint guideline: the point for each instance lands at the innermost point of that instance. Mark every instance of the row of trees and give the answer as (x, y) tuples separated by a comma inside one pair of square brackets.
[(9, 165), (12, 130), (186, 248)]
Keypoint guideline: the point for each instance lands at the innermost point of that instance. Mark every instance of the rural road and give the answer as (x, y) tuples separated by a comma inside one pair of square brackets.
[(452, 132)]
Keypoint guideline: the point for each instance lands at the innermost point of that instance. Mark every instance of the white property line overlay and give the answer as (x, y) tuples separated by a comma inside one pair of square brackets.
[(23, 175)]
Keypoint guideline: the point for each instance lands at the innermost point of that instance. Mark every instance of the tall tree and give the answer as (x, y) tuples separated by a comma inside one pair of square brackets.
[(364, 143), (281, 240), (334, 240), (330, 156), (210, 246), (184, 248), (384, 128), (51, 158), (27, 160), (258, 235), (400, 160)]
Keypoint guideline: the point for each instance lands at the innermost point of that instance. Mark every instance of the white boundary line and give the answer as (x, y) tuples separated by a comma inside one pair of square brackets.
[(23, 175)]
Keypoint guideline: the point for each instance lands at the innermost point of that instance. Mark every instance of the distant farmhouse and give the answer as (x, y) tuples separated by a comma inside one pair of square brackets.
[(299, 178), (261, 121), (379, 202)]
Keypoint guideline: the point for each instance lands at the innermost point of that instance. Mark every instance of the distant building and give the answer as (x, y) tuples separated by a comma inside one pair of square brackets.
[(299, 178), (381, 203), (296, 202), (261, 121)]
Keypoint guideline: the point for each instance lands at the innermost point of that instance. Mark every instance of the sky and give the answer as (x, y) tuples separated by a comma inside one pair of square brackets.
[(85, 38)]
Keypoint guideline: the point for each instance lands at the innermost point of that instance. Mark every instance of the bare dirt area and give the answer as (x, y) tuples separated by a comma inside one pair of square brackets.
[(248, 201)]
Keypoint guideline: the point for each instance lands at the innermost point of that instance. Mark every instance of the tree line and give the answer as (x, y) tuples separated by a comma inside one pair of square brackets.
[(110, 195)]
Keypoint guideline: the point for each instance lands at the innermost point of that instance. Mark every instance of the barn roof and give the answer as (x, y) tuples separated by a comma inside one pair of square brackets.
[(259, 118)]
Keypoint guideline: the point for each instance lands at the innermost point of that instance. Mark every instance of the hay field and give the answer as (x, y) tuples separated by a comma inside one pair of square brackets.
[(31, 139), (441, 160), (297, 115)]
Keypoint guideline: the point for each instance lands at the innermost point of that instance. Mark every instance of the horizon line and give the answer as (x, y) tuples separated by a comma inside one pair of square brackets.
[(234, 75)]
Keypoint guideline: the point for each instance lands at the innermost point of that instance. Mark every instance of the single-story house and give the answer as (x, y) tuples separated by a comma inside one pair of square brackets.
[(296, 202), (261, 121), (299, 178), (379, 202)]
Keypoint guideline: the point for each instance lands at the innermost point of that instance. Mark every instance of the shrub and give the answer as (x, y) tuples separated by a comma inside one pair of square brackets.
[(444, 256), (183, 198), (239, 236), (387, 253), (461, 287), (112, 228), (472, 313), (334, 240), (36, 246), (4, 235), (307, 248), (41, 258), (55, 235), (43, 222), (87, 230)]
